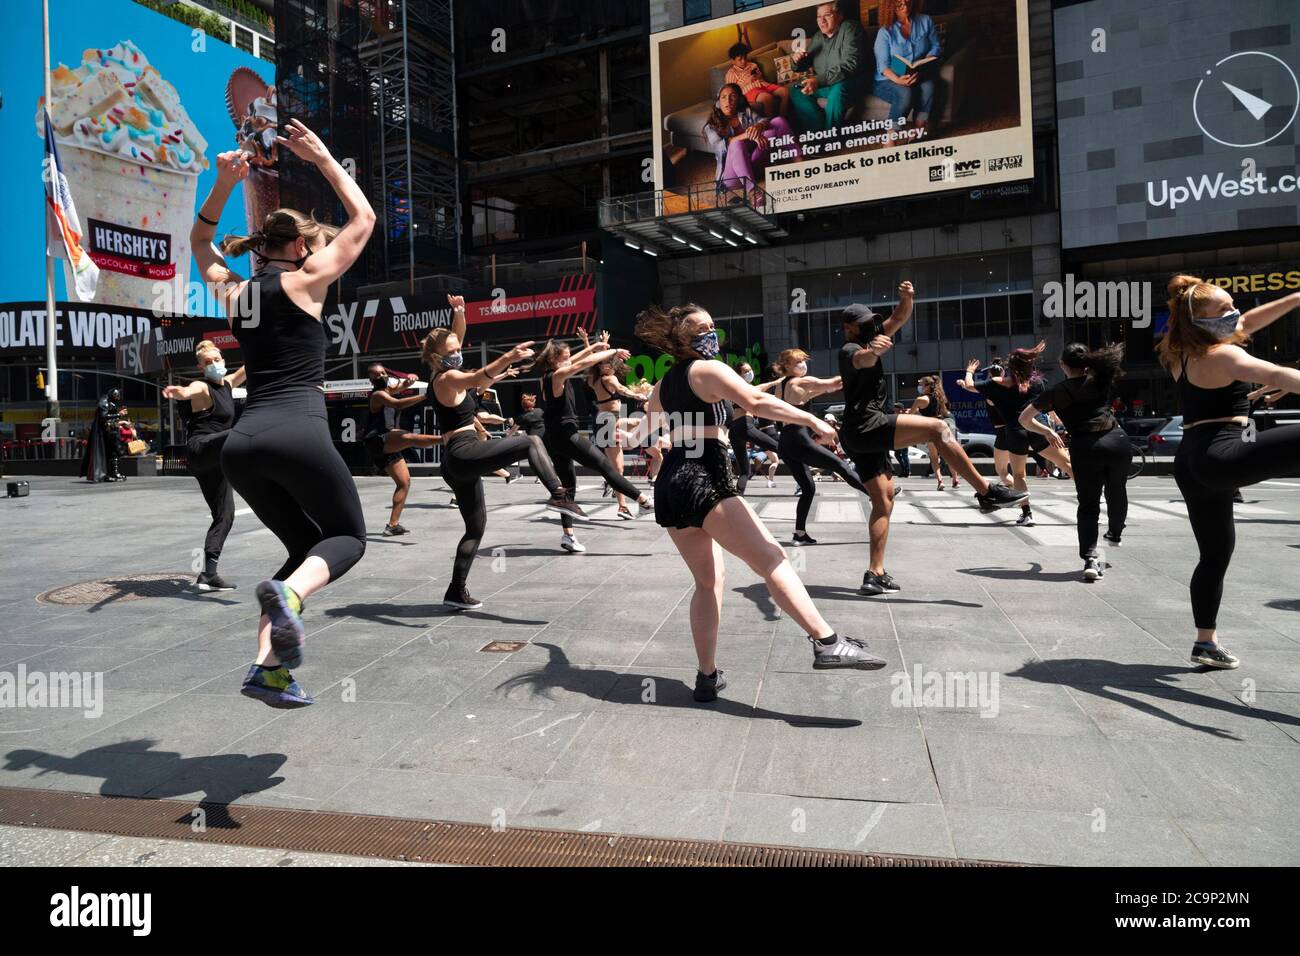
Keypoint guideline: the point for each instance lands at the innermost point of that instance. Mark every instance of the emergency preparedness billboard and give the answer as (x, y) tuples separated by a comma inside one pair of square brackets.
[(823, 104)]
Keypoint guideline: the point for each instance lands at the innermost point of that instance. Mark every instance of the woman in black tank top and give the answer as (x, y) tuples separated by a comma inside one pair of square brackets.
[(280, 455), (932, 402), (696, 497), (466, 458), (211, 415), (385, 440), (1220, 452)]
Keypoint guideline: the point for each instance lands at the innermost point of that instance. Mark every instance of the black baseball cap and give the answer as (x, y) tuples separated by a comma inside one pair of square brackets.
[(858, 314)]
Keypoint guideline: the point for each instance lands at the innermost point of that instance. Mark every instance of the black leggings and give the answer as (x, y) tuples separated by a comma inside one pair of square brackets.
[(203, 455), (1101, 463), (282, 461), (1212, 463), (465, 460), (568, 445), (800, 452), (741, 431)]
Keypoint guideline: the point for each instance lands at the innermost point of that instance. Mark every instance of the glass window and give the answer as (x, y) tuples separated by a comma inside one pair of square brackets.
[(1022, 315), (923, 279), (925, 321), (693, 11), (1022, 271), (820, 329), (949, 320), (745, 5), (972, 319), (949, 281), (998, 316), (974, 276)]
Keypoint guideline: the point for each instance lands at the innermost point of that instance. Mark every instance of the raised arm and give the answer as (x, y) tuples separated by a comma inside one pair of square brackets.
[(713, 381), (902, 311), (968, 382), (576, 364), (459, 324), (232, 168), (1244, 367), (1264, 315), (185, 392), (326, 265), (237, 377), (458, 380)]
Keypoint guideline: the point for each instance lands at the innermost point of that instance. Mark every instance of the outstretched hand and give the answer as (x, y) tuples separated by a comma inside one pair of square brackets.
[(303, 143)]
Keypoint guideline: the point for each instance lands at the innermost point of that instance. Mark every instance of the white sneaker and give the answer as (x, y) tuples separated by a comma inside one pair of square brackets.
[(771, 483), (569, 543)]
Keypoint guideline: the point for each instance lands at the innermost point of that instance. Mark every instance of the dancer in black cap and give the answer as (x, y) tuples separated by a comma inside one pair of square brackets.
[(696, 497), (870, 431), (280, 456), (207, 425)]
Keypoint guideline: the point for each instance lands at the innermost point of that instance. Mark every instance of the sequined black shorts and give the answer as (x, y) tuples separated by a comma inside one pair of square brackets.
[(691, 482)]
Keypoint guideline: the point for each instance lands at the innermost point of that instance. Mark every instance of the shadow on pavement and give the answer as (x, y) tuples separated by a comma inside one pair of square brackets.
[(222, 779), (1034, 573), (391, 613), (1107, 680), (559, 674)]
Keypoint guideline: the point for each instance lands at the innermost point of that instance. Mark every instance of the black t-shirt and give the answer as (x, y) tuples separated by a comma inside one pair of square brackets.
[(530, 422), (1009, 400), (1082, 404), (866, 399)]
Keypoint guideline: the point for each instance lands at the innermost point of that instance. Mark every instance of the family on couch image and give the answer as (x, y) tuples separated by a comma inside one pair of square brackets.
[(831, 78)]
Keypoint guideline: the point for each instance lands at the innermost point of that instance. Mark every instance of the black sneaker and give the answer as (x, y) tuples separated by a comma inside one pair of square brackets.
[(707, 687), (803, 537), (1238, 498), (459, 597), (1093, 568), (625, 514), (393, 530), (847, 653), (1212, 655), (514, 476), (606, 491), (1112, 538), (873, 584), (999, 496), (213, 582), (1026, 519), (561, 502)]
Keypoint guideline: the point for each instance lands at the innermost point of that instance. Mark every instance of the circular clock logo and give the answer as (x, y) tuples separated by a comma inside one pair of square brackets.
[(1243, 96)]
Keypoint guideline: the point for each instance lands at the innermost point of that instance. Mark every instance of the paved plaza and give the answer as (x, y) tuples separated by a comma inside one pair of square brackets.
[(1090, 738)]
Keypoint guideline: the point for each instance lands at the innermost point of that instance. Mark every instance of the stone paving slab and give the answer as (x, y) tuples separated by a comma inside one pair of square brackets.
[(1104, 745)]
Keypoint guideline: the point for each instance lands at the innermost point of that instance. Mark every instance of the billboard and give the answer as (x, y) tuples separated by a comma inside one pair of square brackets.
[(1176, 121), (140, 106), (822, 104)]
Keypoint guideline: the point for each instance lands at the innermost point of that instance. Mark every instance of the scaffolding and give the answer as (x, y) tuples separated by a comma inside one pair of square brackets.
[(407, 49)]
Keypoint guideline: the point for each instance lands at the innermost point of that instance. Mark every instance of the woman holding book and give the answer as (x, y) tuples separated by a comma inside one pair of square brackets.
[(907, 47)]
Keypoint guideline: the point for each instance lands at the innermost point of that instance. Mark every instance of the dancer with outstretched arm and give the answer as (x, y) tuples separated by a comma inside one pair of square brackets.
[(280, 456), (385, 440)]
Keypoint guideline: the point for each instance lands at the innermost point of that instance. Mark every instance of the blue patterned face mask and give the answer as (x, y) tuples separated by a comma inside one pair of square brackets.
[(1220, 326), (707, 344), (454, 360)]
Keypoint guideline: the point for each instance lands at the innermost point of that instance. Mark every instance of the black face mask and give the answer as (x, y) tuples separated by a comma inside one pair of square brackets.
[(379, 383)]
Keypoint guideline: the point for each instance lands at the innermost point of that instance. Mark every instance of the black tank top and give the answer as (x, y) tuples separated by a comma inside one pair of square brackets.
[(284, 349), (597, 388), (381, 422), (219, 417), (451, 417), (678, 398), (931, 409), (1199, 404), (784, 381), (558, 411)]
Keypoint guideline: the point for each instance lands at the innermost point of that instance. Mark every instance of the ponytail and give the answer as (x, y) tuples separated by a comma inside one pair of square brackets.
[(1104, 365)]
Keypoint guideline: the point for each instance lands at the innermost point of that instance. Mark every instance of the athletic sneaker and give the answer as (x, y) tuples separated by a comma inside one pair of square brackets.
[(275, 687), (803, 537), (646, 507), (1093, 568), (452, 502), (626, 515), (771, 483), (1212, 655), (1238, 498), (514, 476), (561, 502), (1112, 538), (844, 653), (284, 607), (707, 686), (213, 582), (571, 544), (999, 496), (392, 530), (460, 597), (1026, 519), (882, 583), (606, 491)]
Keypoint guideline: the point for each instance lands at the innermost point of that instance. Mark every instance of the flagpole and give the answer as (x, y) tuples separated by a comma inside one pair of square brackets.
[(51, 357)]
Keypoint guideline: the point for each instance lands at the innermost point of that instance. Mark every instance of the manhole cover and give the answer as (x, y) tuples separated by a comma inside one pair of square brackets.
[(115, 590), (502, 647)]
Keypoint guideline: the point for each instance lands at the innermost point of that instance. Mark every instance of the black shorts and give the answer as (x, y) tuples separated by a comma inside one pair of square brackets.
[(877, 440), (873, 464), (691, 482), (1000, 442), (378, 457), (1021, 441)]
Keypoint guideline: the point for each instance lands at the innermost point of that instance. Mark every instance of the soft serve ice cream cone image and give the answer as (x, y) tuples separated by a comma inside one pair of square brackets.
[(251, 103), (133, 157)]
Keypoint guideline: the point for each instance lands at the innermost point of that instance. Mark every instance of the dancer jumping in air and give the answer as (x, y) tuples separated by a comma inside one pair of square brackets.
[(211, 414), (1203, 351), (1100, 453), (465, 457), (798, 446), (385, 440), (280, 456), (696, 497), (870, 431)]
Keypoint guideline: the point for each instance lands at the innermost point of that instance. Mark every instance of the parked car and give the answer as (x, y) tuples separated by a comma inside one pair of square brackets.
[(1139, 429), (1167, 438)]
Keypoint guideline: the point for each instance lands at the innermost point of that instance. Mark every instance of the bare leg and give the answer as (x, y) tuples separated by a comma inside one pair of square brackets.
[(733, 524), (881, 491), (936, 463), (1002, 463), (703, 556), (1018, 477), (913, 429), (401, 476), (615, 456), (1060, 458)]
